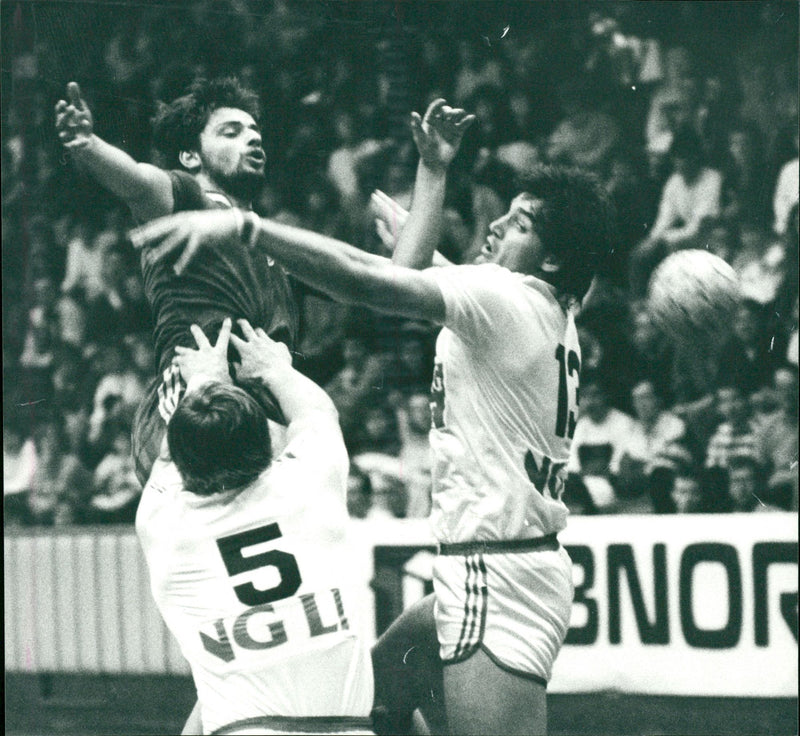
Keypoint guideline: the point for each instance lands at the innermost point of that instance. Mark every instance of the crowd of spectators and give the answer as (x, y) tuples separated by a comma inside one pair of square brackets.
[(687, 112)]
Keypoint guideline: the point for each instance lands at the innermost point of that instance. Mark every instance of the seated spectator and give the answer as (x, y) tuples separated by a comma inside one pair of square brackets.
[(359, 493), (654, 428), (414, 419), (744, 486), (686, 493), (115, 485), (61, 481), (735, 435), (746, 358), (19, 471), (671, 461), (358, 382), (389, 494), (376, 431), (786, 191), (744, 183), (778, 439), (690, 195), (586, 136), (121, 307), (672, 102), (85, 252), (602, 437), (412, 361)]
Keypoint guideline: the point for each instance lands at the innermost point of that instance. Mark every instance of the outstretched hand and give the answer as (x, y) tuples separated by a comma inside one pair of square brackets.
[(74, 123), (390, 218), (258, 352), (184, 231), (207, 360), (438, 134)]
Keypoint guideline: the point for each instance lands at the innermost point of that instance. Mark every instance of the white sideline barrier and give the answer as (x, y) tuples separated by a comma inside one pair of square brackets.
[(672, 605)]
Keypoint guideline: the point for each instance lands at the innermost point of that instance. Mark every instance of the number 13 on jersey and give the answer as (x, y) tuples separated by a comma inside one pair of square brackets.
[(569, 367)]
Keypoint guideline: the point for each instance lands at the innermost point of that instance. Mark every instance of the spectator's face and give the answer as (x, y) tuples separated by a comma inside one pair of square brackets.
[(593, 402), (419, 413), (645, 402), (786, 388), (731, 405), (354, 352), (745, 325), (231, 153), (513, 241), (742, 486), (376, 424), (359, 499), (686, 495)]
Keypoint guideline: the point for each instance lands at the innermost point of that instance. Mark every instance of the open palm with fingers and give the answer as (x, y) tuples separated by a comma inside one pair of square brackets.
[(206, 360), (74, 123), (438, 134)]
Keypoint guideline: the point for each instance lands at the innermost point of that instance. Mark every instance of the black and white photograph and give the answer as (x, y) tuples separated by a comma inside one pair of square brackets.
[(400, 367)]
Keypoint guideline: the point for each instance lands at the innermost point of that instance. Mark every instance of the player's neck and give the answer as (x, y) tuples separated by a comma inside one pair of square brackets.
[(209, 186)]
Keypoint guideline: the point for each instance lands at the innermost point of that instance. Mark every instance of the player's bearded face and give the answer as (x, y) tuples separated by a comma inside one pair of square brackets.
[(231, 153)]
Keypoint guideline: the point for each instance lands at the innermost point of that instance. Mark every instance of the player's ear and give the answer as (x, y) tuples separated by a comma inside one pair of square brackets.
[(190, 160)]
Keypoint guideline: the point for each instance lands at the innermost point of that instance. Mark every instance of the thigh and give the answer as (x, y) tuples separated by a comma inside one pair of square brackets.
[(408, 672), (483, 698)]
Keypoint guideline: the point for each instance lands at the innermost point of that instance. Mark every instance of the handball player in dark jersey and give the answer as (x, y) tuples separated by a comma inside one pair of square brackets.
[(211, 139)]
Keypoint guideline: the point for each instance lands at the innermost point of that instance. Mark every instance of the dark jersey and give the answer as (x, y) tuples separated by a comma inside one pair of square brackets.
[(229, 280)]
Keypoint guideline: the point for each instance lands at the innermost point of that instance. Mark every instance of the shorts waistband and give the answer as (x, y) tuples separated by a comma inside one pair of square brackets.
[(309, 725), (547, 542)]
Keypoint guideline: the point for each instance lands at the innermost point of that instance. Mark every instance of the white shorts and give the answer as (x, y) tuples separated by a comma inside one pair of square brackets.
[(288, 726), (515, 606)]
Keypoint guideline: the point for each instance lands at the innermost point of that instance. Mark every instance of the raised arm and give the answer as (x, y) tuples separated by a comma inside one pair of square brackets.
[(146, 189), (335, 268), (437, 136), (263, 359)]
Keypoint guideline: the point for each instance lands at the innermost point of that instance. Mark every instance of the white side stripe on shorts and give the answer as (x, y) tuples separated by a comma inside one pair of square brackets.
[(475, 605), (170, 391)]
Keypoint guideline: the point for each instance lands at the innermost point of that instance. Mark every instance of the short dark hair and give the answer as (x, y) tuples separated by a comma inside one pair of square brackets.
[(177, 126), (219, 439), (575, 224), (687, 143)]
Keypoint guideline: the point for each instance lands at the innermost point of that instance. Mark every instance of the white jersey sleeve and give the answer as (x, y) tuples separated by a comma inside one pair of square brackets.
[(504, 403)]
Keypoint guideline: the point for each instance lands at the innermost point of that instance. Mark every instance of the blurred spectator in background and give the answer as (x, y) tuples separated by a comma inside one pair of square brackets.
[(61, 481), (414, 420), (19, 472), (777, 434), (686, 493), (115, 485), (654, 428), (586, 135), (746, 185), (376, 430), (691, 194), (744, 484), (602, 437), (84, 265), (389, 494), (735, 435), (672, 102), (359, 493), (746, 358), (359, 382), (476, 68), (786, 190)]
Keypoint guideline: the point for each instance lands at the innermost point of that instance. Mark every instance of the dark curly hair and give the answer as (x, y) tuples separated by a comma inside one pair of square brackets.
[(219, 439), (177, 126), (575, 224)]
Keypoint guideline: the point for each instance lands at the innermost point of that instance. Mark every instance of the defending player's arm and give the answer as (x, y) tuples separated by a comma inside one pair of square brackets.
[(146, 189), (343, 272), (302, 401), (437, 136)]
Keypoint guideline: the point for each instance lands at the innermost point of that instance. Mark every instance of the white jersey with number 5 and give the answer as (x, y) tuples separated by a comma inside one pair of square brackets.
[(504, 403), (254, 585)]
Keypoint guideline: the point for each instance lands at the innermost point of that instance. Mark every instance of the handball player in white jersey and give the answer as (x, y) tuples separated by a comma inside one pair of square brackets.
[(247, 552), (504, 401)]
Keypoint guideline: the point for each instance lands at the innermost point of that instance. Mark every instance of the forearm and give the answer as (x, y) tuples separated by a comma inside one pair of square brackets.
[(146, 189), (298, 397), (422, 232)]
